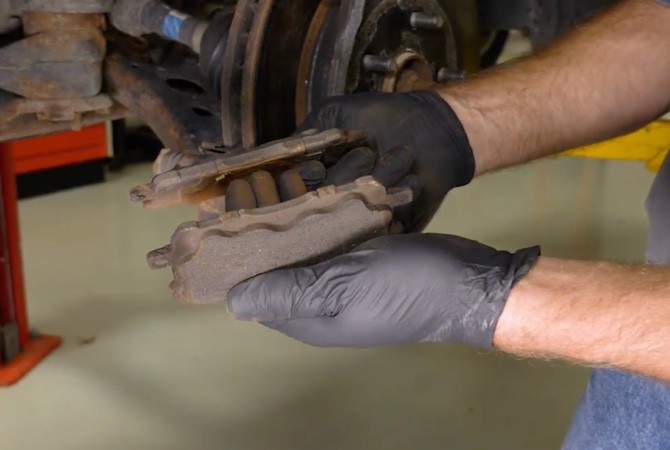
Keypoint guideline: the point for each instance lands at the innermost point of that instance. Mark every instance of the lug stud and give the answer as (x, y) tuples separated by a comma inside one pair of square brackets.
[(423, 21), (378, 64)]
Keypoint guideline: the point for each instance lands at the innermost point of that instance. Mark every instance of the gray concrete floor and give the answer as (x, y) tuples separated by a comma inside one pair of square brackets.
[(138, 371)]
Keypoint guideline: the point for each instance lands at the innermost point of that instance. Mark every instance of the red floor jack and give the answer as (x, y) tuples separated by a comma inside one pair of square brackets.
[(20, 350)]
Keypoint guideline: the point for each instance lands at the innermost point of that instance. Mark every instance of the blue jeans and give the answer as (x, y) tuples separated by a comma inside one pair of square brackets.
[(620, 411)]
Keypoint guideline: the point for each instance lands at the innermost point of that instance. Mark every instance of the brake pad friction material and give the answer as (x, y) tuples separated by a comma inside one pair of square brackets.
[(209, 258)]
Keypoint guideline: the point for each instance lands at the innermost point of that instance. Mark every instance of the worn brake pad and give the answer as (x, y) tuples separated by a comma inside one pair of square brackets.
[(209, 258)]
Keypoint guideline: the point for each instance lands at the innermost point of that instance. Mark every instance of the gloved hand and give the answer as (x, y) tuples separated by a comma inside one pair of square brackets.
[(391, 290), (414, 133)]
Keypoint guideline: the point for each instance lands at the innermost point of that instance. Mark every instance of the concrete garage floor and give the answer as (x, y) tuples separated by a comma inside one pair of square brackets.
[(138, 371)]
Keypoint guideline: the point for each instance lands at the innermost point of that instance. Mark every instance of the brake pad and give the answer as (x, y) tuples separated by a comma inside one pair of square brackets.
[(211, 257)]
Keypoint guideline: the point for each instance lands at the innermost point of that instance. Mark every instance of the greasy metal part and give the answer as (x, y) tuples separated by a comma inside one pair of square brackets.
[(174, 100), (198, 183), (250, 73), (265, 189), (63, 6), (60, 57), (240, 195), (291, 185), (209, 258)]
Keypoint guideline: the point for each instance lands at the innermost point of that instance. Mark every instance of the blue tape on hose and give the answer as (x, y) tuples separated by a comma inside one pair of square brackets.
[(171, 26)]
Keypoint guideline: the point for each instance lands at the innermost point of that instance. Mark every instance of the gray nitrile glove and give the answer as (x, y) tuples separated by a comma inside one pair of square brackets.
[(418, 141), (391, 290)]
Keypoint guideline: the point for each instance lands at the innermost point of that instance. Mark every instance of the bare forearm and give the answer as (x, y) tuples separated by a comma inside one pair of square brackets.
[(610, 76), (598, 314)]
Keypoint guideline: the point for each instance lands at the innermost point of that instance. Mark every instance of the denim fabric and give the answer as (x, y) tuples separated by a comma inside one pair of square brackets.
[(620, 411)]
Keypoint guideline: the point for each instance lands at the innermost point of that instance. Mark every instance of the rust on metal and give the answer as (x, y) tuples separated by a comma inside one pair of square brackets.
[(60, 57), (126, 87), (169, 101), (412, 72), (22, 118)]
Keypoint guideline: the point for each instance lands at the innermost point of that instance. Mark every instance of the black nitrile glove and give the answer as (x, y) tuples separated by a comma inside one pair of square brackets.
[(392, 290), (420, 143)]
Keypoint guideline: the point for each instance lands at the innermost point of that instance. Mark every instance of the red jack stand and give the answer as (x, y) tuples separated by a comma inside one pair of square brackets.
[(19, 350)]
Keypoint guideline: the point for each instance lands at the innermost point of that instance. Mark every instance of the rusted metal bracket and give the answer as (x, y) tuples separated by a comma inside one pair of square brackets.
[(60, 58), (20, 117), (209, 258), (174, 100)]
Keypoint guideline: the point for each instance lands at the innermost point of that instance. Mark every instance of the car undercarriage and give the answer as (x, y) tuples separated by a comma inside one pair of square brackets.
[(208, 75)]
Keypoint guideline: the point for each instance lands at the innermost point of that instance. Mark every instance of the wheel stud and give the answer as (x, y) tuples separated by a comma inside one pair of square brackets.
[(378, 64), (445, 75), (423, 21)]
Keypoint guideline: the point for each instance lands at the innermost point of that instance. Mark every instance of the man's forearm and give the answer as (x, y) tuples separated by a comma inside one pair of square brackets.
[(608, 77), (598, 314)]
